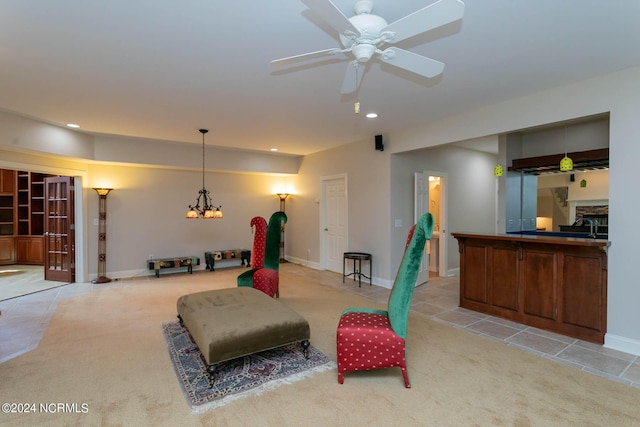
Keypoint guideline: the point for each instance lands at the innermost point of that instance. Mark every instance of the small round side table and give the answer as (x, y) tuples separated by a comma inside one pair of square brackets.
[(359, 257)]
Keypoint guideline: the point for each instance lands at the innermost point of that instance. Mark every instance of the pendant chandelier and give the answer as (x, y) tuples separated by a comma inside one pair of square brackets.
[(208, 210)]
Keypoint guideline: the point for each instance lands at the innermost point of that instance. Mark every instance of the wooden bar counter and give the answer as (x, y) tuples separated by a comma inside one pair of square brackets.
[(558, 284)]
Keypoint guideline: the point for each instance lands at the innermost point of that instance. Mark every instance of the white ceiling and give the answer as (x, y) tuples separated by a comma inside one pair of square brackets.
[(162, 69)]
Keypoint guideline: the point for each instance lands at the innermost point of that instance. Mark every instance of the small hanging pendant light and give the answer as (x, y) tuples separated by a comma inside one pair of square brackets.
[(566, 164)]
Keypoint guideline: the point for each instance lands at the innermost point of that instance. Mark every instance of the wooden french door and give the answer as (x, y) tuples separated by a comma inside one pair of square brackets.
[(59, 234)]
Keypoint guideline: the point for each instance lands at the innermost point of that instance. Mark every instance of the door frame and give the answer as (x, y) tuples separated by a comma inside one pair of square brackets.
[(420, 207), (80, 176), (322, 225), (443, 243)]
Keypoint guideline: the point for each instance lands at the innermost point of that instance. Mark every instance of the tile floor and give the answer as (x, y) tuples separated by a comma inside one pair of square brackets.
[(439, 300), (24, 320)]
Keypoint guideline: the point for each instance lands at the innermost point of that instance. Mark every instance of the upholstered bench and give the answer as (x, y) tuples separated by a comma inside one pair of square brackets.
[(230, 323)]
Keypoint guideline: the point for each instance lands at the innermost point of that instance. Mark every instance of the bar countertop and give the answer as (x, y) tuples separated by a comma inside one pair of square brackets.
[(549, 238)]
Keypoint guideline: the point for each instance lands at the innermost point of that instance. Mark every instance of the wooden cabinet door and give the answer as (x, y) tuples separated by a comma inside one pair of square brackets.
[(540, 282), (475, 274), (29, 250), (7, 250), (505, 277), (584, 291), (7, 181)]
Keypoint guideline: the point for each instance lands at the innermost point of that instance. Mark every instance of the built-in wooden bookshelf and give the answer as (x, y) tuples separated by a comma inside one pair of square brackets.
[(21, 217), (7, 202), (30, 203), (7, 216)]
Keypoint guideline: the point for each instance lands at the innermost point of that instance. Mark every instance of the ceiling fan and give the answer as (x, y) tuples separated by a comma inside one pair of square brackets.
[(364, 34)]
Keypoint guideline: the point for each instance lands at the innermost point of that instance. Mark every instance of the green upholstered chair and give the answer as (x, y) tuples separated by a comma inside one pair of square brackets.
[(267, 278), (374, 339)]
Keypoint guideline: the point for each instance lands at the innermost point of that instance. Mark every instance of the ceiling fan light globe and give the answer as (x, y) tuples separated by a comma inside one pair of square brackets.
[(363, 52)]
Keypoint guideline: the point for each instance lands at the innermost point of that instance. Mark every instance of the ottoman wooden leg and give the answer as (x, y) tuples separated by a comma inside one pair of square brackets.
[(211, 370), (305, 348)]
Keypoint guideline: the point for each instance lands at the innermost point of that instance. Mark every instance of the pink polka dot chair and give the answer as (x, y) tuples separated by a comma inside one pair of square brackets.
[(259, 225), (374, 339), (266, 276), (259, 228)]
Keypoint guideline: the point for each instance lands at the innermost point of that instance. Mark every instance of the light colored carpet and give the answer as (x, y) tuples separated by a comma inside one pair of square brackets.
[(19, 280), (106, 349)]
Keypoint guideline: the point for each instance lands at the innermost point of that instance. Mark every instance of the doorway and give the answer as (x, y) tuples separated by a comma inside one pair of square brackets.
[(31, 221), (333, 222), (431, 196)]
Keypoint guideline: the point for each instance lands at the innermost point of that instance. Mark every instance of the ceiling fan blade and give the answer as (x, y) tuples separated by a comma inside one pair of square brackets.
[(413, 62), (305, 56), (352, 78), (332, 15), (433, 16)]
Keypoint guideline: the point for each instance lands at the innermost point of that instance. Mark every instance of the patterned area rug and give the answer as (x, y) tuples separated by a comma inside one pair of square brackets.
[(240, 377)]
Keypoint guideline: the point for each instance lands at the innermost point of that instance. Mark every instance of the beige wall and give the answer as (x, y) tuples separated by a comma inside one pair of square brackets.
[(367, 172), (146, 214)]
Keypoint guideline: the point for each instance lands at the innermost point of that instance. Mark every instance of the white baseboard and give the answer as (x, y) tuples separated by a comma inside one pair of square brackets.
[(624, 344), (131, 274), (316, 266), (306, 263)]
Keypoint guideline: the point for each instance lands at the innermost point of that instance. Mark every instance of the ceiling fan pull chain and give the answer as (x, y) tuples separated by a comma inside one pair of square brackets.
[(356, 106)]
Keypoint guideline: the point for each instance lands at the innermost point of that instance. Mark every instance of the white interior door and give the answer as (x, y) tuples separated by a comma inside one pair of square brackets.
[(334, 222), (421, 206)]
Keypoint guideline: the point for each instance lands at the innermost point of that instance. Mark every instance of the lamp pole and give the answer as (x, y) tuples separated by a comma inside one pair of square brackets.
[(282, 197), (102, 236)]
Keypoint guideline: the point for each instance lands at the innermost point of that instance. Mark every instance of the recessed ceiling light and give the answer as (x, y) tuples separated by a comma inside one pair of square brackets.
[(372, 115), (274, 149), (73, 125)]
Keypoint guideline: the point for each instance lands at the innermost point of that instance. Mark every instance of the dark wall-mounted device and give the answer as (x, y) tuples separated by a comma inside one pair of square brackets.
[(379, 145)]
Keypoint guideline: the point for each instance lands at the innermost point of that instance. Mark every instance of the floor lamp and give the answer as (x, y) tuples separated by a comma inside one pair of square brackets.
[(282, 197), (102, 236)]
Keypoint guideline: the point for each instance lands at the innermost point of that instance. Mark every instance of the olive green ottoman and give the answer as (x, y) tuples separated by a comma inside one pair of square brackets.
[(235, 322)]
